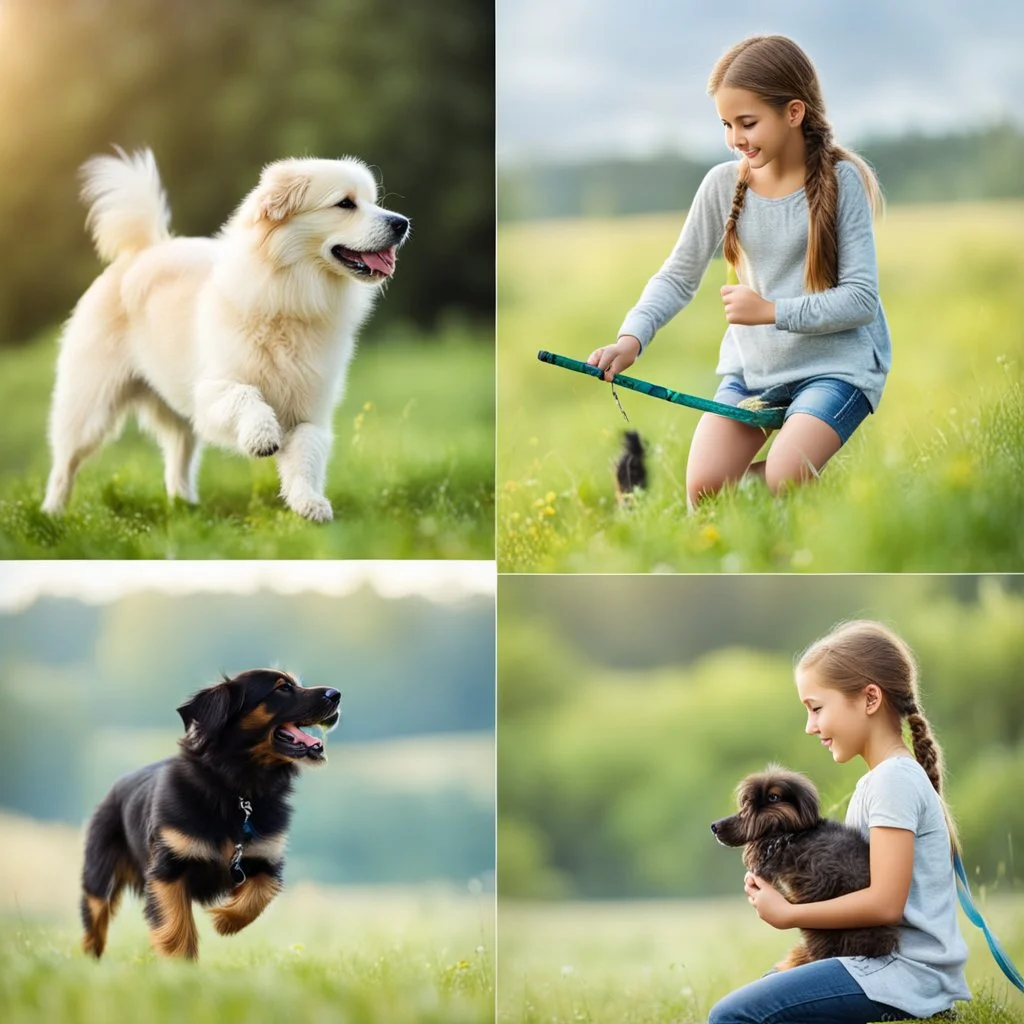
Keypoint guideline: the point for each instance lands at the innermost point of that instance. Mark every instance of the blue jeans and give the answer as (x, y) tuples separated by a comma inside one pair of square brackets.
[(820, 993), (835, 402)]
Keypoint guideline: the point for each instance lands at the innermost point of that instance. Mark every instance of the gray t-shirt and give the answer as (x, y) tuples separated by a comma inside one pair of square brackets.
[(839, 333), (926, 975)]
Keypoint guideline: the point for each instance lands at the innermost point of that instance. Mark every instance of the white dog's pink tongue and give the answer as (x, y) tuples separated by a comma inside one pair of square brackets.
[(383, 262), (299, 736)]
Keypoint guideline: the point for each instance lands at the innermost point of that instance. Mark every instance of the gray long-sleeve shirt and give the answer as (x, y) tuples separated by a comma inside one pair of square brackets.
[(839, 333)]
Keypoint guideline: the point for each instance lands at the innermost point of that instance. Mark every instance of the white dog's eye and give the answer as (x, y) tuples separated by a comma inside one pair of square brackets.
[(346, 204)]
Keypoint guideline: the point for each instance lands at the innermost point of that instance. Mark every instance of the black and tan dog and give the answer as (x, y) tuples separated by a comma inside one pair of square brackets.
[(806, 857), (208, 825)]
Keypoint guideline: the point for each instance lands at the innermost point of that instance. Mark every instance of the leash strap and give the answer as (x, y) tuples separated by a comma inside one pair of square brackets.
[(963, 891), (766, 419)]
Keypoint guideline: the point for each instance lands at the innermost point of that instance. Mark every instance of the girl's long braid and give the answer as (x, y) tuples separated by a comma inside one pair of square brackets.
[(730, 242), (821, 186)]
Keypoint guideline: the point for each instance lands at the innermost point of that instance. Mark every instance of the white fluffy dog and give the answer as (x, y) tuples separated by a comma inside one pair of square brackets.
[(242, 340)]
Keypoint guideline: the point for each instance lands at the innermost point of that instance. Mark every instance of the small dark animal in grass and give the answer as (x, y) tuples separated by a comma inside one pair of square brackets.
[(631, 469), (210, 824), (806, 857)]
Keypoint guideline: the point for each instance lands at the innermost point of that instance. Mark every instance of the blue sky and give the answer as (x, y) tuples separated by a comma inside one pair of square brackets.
[(596, 77)]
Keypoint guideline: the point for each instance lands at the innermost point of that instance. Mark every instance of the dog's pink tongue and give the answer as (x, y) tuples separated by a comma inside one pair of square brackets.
[(383, 262), (299, 736)]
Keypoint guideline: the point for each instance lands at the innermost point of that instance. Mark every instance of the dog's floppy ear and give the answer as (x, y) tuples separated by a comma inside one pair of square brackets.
[(207, 712), (281, 191)]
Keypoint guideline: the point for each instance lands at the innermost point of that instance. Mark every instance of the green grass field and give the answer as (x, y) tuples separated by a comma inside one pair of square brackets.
[(661, 962), (411, 475), (308, 960), (933, 482), (336, 955)]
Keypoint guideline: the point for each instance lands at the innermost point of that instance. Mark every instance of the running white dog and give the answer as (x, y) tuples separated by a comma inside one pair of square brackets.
[(242, 340)]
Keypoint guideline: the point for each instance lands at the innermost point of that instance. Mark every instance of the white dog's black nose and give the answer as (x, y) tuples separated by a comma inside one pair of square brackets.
[(399, 226)]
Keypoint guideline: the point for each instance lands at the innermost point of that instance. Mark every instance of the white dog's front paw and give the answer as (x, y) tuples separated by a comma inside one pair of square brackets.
[(260, 436), (313, 507)]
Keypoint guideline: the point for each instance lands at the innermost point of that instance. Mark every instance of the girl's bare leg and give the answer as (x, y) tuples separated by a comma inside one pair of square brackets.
[(721, 453), (800, 451)]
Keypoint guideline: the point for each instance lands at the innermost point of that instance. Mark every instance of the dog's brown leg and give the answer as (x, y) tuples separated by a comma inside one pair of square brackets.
[(97, 911), (172, 929), (245, 904), (796, 957), (96, 915)]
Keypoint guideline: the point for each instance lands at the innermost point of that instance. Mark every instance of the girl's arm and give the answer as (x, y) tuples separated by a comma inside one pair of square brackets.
[(675, 284), (854, 300), (882, 902)]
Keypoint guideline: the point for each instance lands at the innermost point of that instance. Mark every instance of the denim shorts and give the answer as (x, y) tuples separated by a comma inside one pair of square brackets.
[(841, 405)]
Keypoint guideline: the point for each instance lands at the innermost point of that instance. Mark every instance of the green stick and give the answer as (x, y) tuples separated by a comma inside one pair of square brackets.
[(768, 419)]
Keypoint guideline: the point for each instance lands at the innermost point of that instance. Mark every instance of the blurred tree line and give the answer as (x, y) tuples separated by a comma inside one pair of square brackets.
[(983, 164), (89, 692), (630, 707), (219, 89)]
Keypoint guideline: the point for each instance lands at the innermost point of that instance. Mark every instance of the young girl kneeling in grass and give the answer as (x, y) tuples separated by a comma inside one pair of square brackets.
[(806, 327), (859, 685)]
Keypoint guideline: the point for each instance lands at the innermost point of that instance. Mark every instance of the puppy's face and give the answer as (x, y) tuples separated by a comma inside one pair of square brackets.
[(324, 213), (772, 803), (260, 716)]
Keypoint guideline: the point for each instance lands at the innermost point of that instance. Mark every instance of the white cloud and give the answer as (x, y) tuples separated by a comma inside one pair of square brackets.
[(578, 79)]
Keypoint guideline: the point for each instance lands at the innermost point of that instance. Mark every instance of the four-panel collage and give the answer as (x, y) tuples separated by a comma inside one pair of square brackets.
[(511, 512)]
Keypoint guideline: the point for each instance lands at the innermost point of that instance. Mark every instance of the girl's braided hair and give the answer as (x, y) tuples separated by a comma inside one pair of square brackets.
[(776, 70), (860, 652)]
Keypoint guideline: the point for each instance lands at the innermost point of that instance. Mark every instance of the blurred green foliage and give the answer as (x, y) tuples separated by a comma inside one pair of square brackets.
[(219, 89), (913, 168), (630, 707), (89, 692)]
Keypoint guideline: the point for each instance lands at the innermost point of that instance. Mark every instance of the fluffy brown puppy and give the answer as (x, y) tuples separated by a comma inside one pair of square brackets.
[(806, 857)]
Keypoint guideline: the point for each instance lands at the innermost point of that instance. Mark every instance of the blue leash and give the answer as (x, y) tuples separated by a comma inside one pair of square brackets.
[(963, 891)]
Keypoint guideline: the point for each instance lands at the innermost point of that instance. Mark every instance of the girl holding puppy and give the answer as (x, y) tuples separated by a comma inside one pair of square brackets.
[(806, 327), (859, 686)]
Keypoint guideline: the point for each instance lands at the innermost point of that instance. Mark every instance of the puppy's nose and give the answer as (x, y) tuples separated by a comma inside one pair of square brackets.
[(714, 828), (331, 694), (399, 226)]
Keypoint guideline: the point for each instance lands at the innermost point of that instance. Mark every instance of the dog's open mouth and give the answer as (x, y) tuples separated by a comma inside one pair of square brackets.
[(367, 264), (293, 741)]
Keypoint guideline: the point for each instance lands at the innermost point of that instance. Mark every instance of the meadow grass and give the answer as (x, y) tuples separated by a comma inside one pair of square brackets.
[(933, 482), (411, 474), (421, 954), (315, 959), (661, 962)]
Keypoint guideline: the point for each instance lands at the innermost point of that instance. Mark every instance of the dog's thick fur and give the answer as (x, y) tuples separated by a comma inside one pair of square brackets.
[(806, 857), (177, 831), (242, 340)]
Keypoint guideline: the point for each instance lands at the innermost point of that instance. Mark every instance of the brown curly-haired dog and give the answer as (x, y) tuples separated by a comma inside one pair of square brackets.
[(806, 857)]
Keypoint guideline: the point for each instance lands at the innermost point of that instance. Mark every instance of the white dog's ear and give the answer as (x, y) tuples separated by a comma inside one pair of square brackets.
[(281, 192)]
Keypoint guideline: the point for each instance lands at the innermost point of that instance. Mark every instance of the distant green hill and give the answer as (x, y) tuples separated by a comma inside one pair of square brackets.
[(912, 169)]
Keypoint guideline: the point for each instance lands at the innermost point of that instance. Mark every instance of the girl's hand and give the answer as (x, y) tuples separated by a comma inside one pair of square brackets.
[(613, 359), (744, 306), (772, 907)]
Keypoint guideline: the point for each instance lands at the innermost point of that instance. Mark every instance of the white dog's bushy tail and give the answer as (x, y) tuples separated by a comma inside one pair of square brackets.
[(127, 207)]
